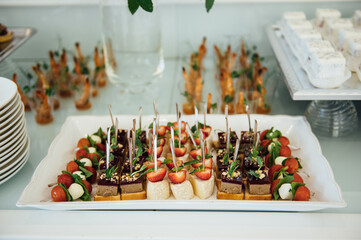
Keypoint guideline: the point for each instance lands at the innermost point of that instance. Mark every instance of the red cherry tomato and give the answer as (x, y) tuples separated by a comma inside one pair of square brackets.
[(58, 194), (65, 179)]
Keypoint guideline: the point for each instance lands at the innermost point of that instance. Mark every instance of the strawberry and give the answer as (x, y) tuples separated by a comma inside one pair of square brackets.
[(204, 174), (157, 176), (72, 167), (198, 152), (183, 126), (81, 153), (297, 177), (177, 177), (83, 142), (263, 134), (285, 151), (179, 152), (206, 131), (272, 170), (65, 179), (266, 160), (161, 142), (101, 147), (184, 137), (198, 140), (150, 164), (302, 194), (292, 165), (171, 164), (284, 140), (159, 151), (207, 163), (93, 156), (162, 130)]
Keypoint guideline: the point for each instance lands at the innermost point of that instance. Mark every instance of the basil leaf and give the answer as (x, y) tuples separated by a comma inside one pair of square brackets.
[(68, 196), (197, 169), (169, 124), (228, 98), (92, 142), (178, 168), (192, 162), (133, 6), (147, 5), (208, 156), (86, 195), (86, 148), (282, 171), (287, 179), (209, 4), (299, 163), (166, 161), (234, 165), (86, 172), (145, 172)]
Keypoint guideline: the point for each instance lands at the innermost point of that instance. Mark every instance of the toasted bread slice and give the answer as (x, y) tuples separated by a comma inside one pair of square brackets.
[(248, 196), (230, 196), (134, 196), (107, 198)]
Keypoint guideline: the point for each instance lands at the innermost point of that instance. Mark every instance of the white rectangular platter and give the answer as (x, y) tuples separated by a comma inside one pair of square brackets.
[(297, 80), (317, 173)]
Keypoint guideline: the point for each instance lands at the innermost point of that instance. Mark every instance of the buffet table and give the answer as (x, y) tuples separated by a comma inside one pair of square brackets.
[(342, 154)]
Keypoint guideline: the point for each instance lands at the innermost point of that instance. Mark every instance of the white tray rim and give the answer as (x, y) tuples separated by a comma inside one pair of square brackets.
[(181, 205)]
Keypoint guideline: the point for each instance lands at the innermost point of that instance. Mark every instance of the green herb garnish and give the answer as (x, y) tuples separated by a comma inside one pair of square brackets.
[(228, 99), (234, 165), (287, 179), (294, 187), (109, 172), (68, 196)]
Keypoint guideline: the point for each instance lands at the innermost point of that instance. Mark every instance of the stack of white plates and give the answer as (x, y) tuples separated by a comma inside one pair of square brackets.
[(14, 140)]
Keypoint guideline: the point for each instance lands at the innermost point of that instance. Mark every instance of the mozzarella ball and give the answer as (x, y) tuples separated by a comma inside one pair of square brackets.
[(80, 174), (279, 160), (96, 139), (92, 150), (285, 191), (76, 190), (87, 162), (275, 139), (270, 146)]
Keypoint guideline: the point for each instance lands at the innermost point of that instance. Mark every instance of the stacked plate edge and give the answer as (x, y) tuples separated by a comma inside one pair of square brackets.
[(14, 139)]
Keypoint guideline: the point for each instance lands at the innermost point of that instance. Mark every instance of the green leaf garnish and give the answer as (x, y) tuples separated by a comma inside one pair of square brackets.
[(214, 106), (147, 5), (86, 148), (208, 156), (281, 172), (79, 163), (133, 6), (234, 165), (109, 172), (147, 171), (192, 162), (92, 142), (151, 125), (198, 169), (166, 161), (86, 172), (275, 152), (169, 124), (253, 173), (235, 74), (140, 170), (228, 98), (209, 4), (225, 159)]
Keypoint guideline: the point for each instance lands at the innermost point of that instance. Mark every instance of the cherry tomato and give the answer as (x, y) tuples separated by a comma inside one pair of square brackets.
[(65, 179), (83, 142), (88, 186), (81, 153), (72, 167), (58, 194)]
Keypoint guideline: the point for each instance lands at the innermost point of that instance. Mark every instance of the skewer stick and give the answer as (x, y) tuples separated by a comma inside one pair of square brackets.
[(196, 115), (173, 155), (116, 130), (249, 118), (228, 139), (236, 151), (255, 133), (157, 123), (226, 111), (172, 135), (191, 135), (111, 115), (177, 111), (179, 132), (155, 152), (140, 117), (134, 134), (131, 154), (108, 149), (205, 115), (202, 149), (150, 143), (155, 107)]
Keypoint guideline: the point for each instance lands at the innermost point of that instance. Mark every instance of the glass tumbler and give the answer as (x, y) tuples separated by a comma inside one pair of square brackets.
[(132, 45)]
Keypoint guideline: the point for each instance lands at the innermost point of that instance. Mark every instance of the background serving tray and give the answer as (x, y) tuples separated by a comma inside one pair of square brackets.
[(297, 80), (317, 173)]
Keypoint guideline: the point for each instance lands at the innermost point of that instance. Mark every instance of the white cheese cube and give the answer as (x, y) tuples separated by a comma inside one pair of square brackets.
[(158, 190), (202, 188), (327, 65), (76, 191), (285, 191)]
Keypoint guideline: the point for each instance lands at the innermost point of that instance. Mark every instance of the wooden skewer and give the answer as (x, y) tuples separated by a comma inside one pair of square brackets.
[(111, 115)]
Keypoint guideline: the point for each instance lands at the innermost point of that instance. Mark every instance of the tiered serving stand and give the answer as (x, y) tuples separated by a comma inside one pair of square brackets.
[(331, 112)]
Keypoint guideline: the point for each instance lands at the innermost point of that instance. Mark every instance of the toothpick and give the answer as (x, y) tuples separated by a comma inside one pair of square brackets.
[(255, 131), (180, 131), (154, 127), (226, 111), (111, 115), (155, 152), (228, 139), (249, 118), (205, 115), (140, 117), (134, 134), (173, 156), (157, 123), (116, 130), (191, 135), (130, 142), (150, 137), (108, 149), (177, 111), (236, 151), (196, 115), (202, 149), (172, 135), (155, 107)]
